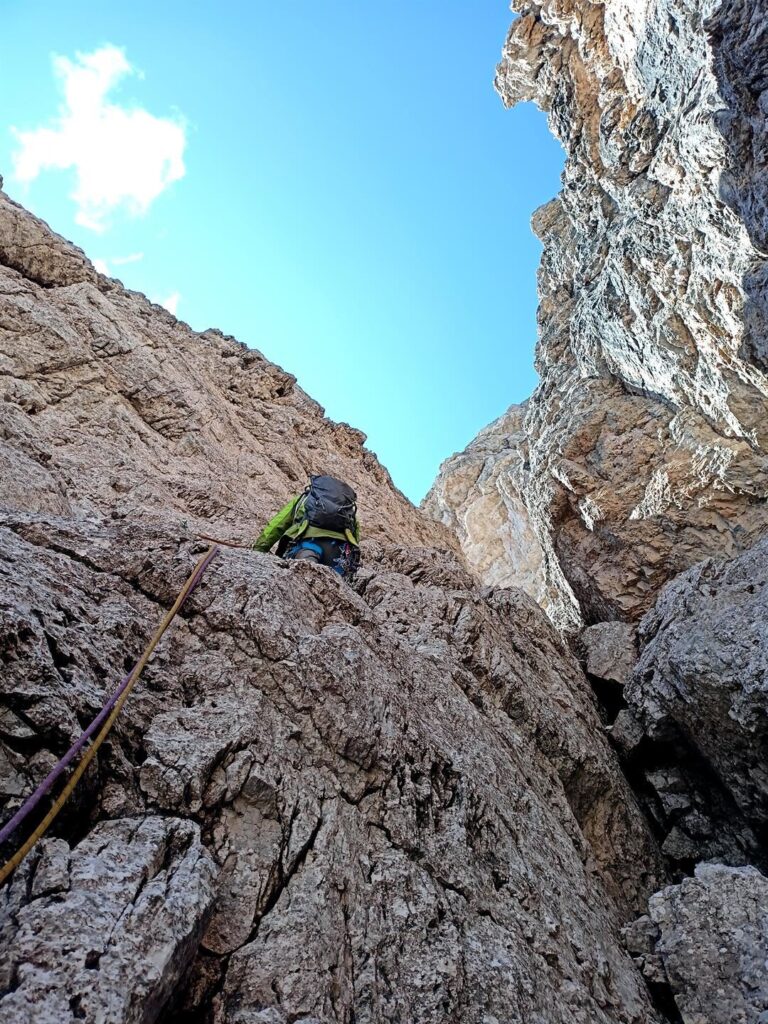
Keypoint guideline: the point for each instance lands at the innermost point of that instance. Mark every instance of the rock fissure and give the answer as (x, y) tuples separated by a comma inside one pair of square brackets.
[(286, 876)]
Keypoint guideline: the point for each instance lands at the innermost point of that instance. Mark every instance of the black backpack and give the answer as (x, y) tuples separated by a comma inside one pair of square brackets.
[(328, 504)]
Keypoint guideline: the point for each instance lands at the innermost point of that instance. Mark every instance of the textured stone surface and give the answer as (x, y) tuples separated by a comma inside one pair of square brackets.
[(609, 651), (109, 402), (477, 495), (104, 932), (28, 245), (404, 789), (701, 688), (405, 786), (706, 941), (645, 442)]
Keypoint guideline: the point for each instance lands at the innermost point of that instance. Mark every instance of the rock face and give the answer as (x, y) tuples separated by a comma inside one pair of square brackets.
[(700, 695), (404, 787), (393, 801), (705, 942), (105, 931), (396, 800), (109, 402), (609, 651), (643, 451), (477, 497), (645, 443)]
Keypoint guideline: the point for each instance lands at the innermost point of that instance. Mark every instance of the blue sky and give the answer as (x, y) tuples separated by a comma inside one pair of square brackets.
[(334, 182)]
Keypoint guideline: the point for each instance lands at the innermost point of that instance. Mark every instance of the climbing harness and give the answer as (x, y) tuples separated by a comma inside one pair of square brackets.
[(305, 549), (339, 555), (103, 723)]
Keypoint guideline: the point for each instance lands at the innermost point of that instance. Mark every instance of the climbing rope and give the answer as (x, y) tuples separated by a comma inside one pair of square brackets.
[(103, 723), (223, 543)]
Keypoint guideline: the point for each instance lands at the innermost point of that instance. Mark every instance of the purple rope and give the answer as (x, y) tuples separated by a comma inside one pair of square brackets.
[(32, 801)]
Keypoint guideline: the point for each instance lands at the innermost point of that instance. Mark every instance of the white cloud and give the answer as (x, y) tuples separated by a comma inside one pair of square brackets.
[(123, 156), (103, 265), (171, 303), (134, 257)]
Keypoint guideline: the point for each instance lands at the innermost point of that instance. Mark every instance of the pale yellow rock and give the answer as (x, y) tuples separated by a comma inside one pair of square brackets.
[(477, 495)]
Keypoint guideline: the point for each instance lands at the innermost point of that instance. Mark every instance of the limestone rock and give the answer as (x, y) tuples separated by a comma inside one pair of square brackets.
[(396, 800), (702, 684), (626, 732), (107, 930), (644, 446), (405, 785), (477, 495), (705, 940), (29, 246), (110, 402), (609, 651)]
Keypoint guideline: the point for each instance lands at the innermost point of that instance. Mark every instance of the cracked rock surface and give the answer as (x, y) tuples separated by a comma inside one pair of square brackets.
[(321, 803), (404, 786), (700, 695), (103, 932), (396, 801), (108, 402), (705, 941), (644, 447)]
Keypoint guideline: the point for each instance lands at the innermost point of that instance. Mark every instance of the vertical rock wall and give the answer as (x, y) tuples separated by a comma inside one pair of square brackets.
[(646, 438), (640, 465), (477, 496)]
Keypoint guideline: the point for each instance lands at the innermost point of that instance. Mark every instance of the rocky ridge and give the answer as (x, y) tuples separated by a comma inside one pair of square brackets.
[(645, 443), (110, 402)]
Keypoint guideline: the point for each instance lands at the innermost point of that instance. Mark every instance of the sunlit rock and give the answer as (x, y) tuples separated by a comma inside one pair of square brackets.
[(644, 445)]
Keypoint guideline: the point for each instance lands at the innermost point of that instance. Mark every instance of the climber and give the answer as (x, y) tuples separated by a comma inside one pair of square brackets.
[(319, 525)]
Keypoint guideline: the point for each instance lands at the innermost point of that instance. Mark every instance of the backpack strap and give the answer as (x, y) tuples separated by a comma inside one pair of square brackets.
[(298, 508)]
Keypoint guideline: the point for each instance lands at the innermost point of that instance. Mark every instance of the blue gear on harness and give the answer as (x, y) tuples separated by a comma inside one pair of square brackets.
[(304, 545), (337, 555)]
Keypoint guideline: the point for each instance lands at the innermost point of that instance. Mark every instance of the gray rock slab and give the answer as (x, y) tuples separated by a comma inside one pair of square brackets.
[(707, 940), (703, 673), (609, 651), (103, 933)]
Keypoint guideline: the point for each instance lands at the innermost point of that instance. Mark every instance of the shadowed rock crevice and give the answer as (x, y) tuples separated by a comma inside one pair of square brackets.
[(686, 711), (721, 915), (701, 681)]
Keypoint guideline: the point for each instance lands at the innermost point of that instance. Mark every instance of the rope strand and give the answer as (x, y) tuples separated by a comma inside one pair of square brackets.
[(107, 716)]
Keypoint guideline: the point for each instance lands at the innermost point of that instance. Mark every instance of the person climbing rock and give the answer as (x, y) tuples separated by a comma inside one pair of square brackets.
[(318, 525)]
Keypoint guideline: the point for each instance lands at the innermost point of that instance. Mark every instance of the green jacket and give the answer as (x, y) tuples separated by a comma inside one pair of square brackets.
[(283, 526)]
